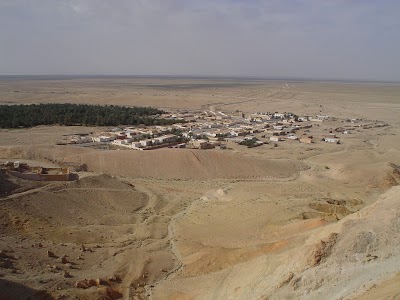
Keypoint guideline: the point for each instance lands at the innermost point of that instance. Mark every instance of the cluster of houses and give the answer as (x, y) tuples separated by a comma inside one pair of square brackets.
[(130, 137), (209, 129)]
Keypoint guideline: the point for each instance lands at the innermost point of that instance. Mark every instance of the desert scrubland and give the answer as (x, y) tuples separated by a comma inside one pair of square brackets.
[(297, 221)]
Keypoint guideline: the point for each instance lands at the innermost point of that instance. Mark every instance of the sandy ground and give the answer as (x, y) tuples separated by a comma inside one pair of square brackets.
[(294, 222), (372, 100)]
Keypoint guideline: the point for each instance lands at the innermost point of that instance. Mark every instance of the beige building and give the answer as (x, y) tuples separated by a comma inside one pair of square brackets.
[(306, 140), (275, 138), (201, 144)]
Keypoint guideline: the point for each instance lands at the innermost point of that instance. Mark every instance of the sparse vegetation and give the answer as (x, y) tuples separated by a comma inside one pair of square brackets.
[(250, 143)]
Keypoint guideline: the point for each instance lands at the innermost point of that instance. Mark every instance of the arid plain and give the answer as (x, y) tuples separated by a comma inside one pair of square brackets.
[(297, 221)]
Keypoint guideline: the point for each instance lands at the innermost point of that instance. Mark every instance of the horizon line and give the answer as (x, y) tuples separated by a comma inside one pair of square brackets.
[(222, 77)]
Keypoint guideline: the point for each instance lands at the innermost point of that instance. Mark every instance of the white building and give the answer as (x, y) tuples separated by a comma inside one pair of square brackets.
[(131, 133), (322, 117), (292, 137), (278, 127), (146, 143), (170, 138), (136, 146), (275, 138), (122, 142), (103, 138), (279, 115), (332, 140)]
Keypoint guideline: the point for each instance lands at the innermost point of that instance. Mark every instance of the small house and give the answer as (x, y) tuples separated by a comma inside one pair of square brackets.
[(331, 140), (306, 140), (275, 138)]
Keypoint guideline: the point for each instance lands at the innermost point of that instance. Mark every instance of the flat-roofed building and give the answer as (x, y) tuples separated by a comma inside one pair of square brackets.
[(275, 138)]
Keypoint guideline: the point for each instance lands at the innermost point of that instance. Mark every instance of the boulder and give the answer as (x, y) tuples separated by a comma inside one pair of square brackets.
[(66, 274), (84, 284), (63, 259), (50, 254), (101, 281), (113, 294)]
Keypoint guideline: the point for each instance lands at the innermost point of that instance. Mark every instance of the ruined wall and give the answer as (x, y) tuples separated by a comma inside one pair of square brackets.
[(42, 177)]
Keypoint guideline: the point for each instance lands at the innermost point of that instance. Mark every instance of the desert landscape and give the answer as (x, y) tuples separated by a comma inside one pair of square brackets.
[(291, 221)]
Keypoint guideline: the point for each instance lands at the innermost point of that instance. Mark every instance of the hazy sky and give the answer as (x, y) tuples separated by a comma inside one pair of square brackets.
[(357, 39)]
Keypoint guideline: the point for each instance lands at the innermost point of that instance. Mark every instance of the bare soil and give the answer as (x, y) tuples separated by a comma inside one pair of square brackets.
[(296, 221)]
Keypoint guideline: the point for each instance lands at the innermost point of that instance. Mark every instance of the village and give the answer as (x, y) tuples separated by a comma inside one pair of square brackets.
[(217, 129)]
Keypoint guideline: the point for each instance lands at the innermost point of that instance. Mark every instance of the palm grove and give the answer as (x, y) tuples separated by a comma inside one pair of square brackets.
[(17, 116)]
